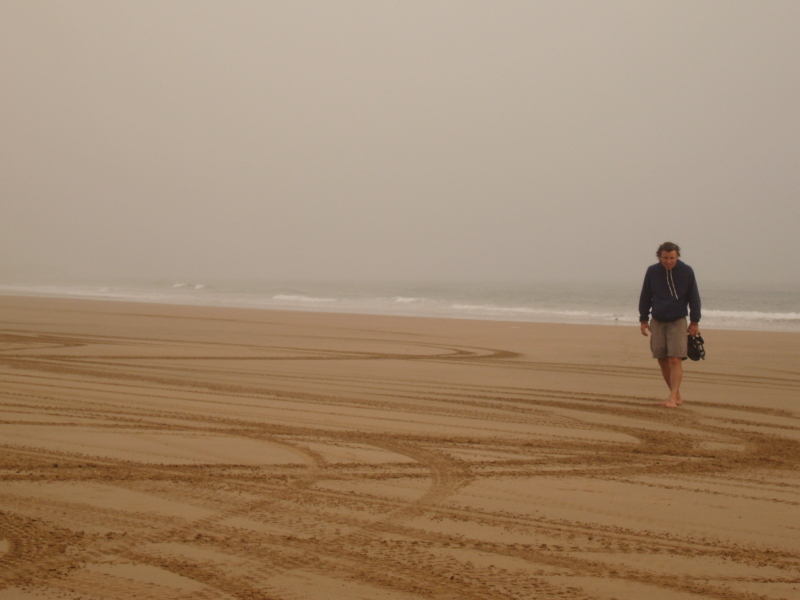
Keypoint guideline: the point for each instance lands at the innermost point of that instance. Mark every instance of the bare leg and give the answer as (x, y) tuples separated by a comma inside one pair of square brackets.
[(672, 371)]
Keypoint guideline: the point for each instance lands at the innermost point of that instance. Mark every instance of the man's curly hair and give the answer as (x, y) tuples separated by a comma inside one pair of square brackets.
[(668, 247)]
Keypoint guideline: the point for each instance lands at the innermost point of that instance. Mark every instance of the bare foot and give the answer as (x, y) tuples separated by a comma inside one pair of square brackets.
[(670, 404)]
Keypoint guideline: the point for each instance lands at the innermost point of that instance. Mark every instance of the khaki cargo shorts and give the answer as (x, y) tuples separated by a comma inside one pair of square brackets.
[(668, 338)]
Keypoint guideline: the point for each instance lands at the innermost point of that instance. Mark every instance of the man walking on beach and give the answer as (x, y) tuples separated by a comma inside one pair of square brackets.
[(669, 286)]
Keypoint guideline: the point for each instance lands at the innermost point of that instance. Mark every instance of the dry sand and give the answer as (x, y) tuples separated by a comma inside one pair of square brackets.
[(181, 452)]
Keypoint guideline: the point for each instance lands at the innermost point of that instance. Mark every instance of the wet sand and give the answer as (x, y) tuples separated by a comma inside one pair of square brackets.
[(173, 452)]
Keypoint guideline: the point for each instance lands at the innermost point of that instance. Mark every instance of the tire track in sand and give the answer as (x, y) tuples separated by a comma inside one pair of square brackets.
[(356, 521)]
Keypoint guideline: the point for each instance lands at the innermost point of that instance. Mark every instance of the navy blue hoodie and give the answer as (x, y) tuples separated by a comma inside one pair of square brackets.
[(668, 293)]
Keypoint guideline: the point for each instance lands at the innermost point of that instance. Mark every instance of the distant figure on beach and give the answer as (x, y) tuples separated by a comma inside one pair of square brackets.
[(669, 287)]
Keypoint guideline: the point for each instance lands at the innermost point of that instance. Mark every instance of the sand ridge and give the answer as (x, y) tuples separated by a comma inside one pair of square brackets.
[(187, 452)]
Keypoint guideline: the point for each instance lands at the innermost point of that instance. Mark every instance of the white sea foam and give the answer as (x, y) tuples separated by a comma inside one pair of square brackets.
[(520, 309), (557, 315), (751, 315), (194, 286), (771, 309)]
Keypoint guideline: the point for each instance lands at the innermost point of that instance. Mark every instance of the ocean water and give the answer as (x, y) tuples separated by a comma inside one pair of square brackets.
[(756, 307)]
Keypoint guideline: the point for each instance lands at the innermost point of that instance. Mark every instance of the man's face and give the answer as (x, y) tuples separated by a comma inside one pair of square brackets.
[(668, 259)]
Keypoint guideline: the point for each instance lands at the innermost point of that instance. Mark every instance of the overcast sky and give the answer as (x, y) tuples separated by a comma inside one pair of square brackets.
[(411, 140)]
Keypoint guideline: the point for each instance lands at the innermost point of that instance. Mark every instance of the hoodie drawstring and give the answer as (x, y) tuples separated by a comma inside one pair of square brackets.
[(671, 284)]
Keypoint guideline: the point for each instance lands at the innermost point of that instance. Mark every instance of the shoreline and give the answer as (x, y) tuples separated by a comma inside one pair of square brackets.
[(237, 452), (621, 321)]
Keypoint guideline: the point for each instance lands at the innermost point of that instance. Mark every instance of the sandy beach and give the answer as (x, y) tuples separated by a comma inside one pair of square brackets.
[(170, 452)]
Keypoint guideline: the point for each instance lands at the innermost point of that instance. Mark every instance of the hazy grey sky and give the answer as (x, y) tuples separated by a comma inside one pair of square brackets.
[(398, 140)]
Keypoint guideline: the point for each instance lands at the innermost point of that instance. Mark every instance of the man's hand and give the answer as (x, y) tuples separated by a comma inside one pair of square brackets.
[(646, 327), (694, 327)]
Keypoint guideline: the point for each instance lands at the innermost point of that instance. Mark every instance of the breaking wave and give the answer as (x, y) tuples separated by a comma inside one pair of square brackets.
[(522, 303)]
